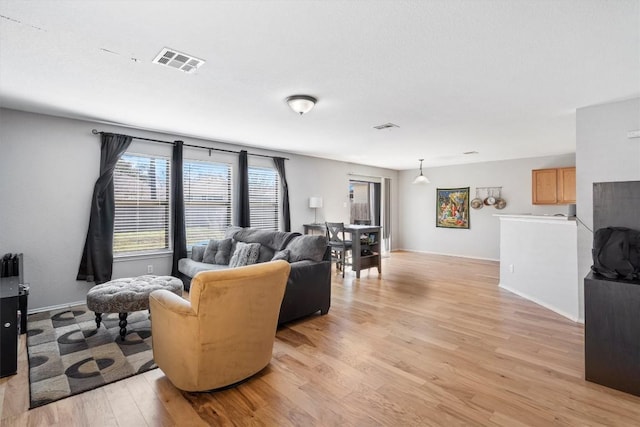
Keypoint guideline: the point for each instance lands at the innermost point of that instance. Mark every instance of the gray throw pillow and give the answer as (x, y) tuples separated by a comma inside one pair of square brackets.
[(217, 252), (245, 254), (283, 255), (197, 252), (307, 247)]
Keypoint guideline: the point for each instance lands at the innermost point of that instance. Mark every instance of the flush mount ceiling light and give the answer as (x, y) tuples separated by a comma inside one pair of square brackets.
[(301, 104), (421, 179)]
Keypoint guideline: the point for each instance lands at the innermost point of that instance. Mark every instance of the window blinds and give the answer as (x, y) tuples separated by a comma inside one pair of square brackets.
[(207, 200), (141, 190), (264, 193)]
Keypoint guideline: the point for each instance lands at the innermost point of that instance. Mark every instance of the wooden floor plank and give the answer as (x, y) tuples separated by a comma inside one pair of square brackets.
[(415, 346)]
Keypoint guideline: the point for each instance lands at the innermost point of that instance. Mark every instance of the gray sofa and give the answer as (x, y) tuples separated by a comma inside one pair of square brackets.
[(309, 285)]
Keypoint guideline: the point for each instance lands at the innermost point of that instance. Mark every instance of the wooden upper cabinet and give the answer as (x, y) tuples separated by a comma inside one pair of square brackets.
[(567, 185), (553, 186)]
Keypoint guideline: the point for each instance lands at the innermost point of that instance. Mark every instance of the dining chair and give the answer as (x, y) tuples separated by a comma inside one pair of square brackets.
[(341, 248)]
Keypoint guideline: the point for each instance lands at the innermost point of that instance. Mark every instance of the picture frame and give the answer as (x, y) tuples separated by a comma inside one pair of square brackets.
[(452, 207)]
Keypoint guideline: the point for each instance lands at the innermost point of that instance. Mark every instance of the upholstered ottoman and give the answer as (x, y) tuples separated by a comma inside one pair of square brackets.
[(127, 295)]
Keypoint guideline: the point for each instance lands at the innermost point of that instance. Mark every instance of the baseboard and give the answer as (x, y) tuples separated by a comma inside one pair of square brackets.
[(56, 307), (446, 254), (543, 304)]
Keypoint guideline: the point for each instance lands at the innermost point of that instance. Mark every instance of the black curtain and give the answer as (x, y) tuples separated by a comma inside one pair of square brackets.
[(97, 257), (177, 208), (244, 213), (286, 214)]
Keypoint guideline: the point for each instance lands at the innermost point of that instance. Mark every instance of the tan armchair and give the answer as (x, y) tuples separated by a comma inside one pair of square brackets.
[(225, 333)]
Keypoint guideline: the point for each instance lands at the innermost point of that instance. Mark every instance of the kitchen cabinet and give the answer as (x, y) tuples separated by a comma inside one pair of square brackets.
[(553, 186)]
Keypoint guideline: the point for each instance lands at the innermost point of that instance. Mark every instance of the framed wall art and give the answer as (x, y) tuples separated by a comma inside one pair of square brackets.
[(452, 207)]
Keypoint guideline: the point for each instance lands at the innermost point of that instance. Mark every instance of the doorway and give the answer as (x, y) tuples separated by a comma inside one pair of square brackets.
[(370, 204), (364, 200)]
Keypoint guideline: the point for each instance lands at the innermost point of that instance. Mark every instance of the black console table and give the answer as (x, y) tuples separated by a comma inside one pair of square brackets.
[(9, 303)]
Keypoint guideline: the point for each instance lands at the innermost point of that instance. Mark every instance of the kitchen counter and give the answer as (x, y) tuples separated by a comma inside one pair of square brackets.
[(532, 217)]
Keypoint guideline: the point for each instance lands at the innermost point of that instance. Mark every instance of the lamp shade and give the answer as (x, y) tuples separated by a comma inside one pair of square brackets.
[(315, 202), (301, 104), (421, 179)]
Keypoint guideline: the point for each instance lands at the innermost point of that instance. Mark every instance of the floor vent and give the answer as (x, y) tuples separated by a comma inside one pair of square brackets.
[(178, 60), (386, 126)]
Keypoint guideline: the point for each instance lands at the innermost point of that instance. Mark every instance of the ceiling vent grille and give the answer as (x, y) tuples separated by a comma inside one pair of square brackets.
[(386, 126), (178, 60)]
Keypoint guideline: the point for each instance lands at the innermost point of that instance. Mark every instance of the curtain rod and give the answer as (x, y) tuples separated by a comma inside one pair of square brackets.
[(96, 132)]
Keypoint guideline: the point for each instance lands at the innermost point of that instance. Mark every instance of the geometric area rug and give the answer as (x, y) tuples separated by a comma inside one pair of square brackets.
[(68, 356)]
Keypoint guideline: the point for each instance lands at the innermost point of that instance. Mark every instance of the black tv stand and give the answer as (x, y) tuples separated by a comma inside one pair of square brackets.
[(9, 303)]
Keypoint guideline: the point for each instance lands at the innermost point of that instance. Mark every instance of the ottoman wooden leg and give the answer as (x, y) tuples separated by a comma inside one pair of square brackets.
[(123, 325), (98, 320)]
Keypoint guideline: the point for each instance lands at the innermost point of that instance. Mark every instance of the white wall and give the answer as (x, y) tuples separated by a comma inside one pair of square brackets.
[(603, 154), (538, 262), (48, 167), (482, 239)]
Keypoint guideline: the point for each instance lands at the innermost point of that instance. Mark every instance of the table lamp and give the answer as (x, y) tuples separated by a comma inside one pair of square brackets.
[(315, 203)]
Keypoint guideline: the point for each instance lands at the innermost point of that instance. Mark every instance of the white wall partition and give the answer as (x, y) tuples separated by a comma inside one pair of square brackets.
[(538, 261)]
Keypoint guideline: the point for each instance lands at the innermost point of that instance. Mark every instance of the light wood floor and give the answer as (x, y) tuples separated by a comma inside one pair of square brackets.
[(432, 342)]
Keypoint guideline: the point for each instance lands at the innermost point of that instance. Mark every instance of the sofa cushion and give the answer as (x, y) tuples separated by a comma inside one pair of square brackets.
[(231, 230), (283, 255), (245, 254), (307, 247), (190, 267), (275, 240), (197, 252), (217, 252)]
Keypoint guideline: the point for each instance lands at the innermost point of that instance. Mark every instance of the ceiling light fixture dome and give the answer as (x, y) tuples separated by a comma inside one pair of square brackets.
[(421, 179), (301, 104)]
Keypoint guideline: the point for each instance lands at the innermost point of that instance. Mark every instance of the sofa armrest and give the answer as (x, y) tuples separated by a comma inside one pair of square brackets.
[(308, 290)]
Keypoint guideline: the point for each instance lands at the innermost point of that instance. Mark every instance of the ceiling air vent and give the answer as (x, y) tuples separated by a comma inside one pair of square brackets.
[(181, 61), (386, 126)]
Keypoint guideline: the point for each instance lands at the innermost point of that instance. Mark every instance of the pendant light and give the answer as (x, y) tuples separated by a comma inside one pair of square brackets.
[(421, 179)]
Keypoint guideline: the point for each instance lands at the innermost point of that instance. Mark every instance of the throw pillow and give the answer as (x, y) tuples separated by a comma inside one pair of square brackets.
[(283, 255), (224, 252), (307, 247), (197, 252), (217, 252), (245, 254)]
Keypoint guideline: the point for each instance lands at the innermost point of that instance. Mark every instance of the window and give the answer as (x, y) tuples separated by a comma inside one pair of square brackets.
[(207, 200), (264, 194), (141, 189)]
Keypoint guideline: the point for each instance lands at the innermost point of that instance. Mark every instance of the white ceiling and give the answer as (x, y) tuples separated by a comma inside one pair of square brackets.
[(500, 77)]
